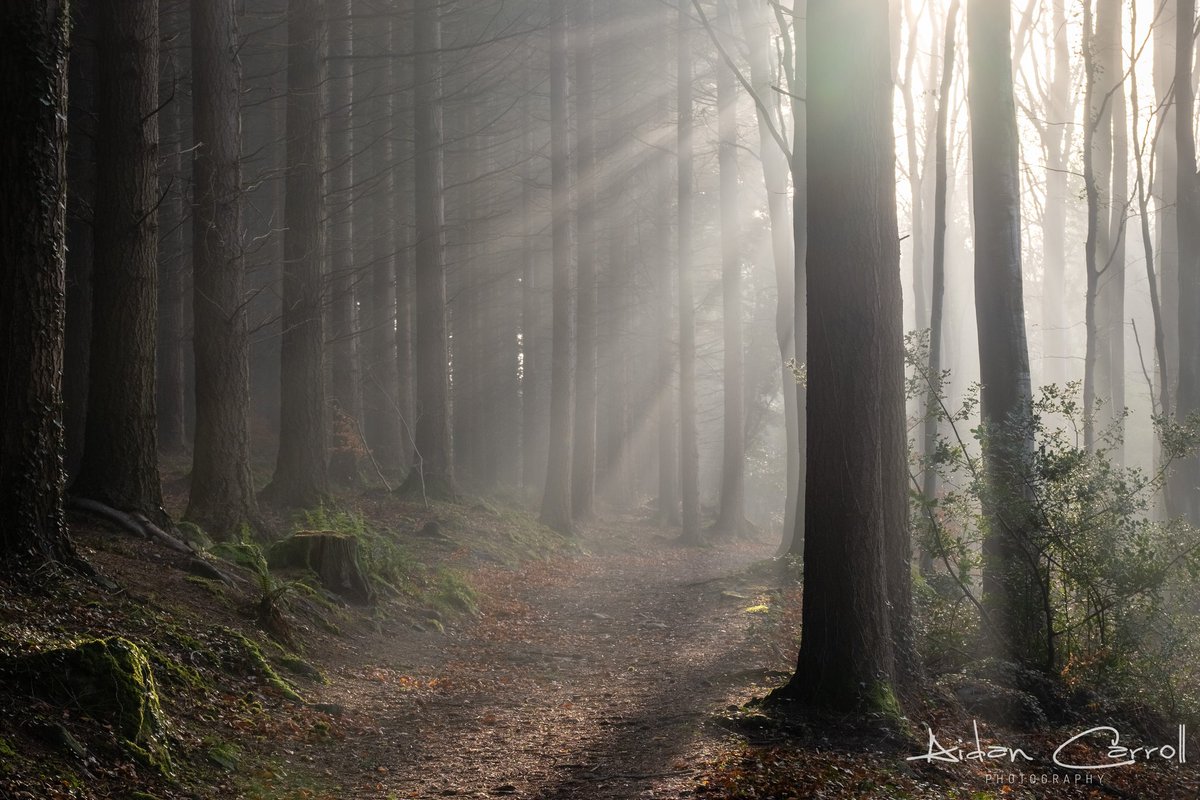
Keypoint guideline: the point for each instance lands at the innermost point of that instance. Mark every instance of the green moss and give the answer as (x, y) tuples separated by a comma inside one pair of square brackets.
[(109, 680), (176, 673), (248, 658), (451, 591), (301, 668), (215, 588)]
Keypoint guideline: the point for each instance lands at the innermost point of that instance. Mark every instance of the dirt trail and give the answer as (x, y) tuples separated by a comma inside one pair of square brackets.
[(590, 677)]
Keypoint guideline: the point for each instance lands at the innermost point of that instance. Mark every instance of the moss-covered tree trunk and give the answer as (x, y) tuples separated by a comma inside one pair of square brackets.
[(33, 94), (120, 452)]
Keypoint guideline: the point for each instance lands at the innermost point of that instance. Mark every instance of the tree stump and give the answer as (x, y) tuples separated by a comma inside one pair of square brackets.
[(332, 556)]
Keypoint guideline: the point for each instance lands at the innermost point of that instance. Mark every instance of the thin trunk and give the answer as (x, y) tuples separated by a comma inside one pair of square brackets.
[(583, 465), (929, 486), (342, 344), (689, 447), (556, 501), (433, 467), (732, 517)]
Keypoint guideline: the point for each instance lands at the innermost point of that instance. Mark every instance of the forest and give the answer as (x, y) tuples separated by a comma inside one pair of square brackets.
[(574, 399)]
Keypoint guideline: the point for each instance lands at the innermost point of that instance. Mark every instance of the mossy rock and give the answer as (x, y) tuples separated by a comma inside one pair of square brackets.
[(335, 559), (109, 680)]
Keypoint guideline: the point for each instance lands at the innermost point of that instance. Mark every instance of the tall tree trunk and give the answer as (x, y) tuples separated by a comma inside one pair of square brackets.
[(757, 26), (799, 170), (583, 465), (433, 466), (381, 421), (301, 470), (929, 484), (402, 127), (1184, 490), (731, 519), (172, 260), (855, 479), (81, 203), (342, 344), (1010, 585), (1056, 138), (556, 501), (533, 405), (120, 452), (222, 493), (689, 444), (33, 145)]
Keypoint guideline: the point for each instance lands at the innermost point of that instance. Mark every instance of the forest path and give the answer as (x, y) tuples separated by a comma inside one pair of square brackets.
[(584, 677)]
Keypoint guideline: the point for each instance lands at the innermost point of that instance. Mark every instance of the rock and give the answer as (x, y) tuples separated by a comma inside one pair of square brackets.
[(109, 680), (993, 703), (334, 557)]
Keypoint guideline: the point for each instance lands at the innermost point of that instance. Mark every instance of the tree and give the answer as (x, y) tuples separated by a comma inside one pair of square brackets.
[(433, 467), (33, 144), (556, 500), (343, 343), (689, 447), (756, 23), (583, 450), (1009, 583), (731, 518), (301, 470), (1183, 495), (119, 467), (222, 491), (855, 497)]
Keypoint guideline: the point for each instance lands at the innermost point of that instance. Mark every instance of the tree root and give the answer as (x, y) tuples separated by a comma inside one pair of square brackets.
[(135, 523)]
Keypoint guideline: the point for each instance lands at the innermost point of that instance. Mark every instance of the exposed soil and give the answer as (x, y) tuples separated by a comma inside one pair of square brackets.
[(589, 677)]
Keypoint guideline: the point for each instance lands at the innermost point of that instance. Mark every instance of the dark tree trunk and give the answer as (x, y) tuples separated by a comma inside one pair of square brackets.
[(660, 262), (343, 344), (534, 372), (81, 201), (301, 470), (172, 258), (556, 501), (33, 144), (433, 462), (855, 495), (120, 454), (222, 495), (732, 517), (689, 444), (402, 126), (583, 466), (1010, 584)]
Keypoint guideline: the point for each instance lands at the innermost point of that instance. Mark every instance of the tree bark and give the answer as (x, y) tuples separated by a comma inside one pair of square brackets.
[(120, 455), (33, 145), (433, 466), (689, 440), (301, 469), (1009, 583), (855, 496), (222, 492), (583, 450), (731, 519), (556, 500), (343, 342), (1184, 490)]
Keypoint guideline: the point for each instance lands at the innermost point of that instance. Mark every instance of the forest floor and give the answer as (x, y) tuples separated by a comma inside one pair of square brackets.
[(617, 665)]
